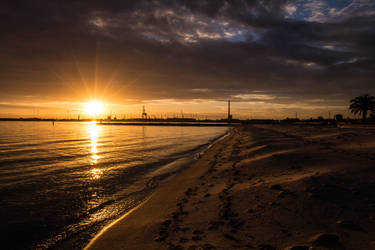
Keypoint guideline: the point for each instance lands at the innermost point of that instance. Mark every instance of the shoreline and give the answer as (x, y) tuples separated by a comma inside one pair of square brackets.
[(100, 241), (262, 187), (154, 178)]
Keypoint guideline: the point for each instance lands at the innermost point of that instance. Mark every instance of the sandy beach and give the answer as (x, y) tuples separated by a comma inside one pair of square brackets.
[(262, 187)]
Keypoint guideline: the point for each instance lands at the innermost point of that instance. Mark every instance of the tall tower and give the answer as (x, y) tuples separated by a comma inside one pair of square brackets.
[(144, 114), (229, 115)]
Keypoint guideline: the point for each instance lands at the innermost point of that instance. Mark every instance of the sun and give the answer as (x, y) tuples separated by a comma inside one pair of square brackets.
[(94, 108)]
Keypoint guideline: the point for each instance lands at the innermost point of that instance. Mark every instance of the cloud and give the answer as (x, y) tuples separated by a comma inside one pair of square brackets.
[(322, 12), (249, 97), (185, 50), (290, 9)]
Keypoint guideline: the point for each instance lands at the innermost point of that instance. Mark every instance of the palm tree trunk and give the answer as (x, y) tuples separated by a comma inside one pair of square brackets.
[(364, 115)]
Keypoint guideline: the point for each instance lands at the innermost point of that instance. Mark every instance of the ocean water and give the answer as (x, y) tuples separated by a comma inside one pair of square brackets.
[(60, 184)]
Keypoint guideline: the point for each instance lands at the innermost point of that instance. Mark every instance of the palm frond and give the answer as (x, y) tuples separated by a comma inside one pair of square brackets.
[(362, 104)]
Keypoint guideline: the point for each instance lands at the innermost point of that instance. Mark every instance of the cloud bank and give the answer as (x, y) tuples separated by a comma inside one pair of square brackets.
[(280, 52)]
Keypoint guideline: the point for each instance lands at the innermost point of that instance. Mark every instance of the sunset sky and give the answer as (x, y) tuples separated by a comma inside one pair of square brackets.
[(271, 58)]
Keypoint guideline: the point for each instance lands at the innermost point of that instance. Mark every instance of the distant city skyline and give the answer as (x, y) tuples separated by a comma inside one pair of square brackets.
[(218, 111)]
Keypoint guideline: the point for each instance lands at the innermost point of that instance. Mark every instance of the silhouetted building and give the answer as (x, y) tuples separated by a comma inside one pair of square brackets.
[(339, 117)]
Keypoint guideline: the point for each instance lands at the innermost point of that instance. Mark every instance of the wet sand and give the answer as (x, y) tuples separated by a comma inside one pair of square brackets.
[(262, 187)]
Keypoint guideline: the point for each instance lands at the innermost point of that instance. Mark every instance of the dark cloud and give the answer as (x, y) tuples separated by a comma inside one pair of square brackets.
[(290, 50)]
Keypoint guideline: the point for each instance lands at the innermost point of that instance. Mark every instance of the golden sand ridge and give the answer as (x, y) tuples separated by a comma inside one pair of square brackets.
[(262, 187)]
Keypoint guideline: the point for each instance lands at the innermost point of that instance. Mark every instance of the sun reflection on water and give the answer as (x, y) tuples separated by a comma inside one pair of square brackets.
[(94, 157), (96, 173)]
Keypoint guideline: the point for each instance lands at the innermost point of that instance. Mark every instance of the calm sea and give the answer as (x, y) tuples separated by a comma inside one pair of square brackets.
[(60, 184)]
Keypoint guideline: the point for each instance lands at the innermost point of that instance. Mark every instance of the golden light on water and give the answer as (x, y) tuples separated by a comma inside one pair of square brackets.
[(94, 108), (96, 173), (94, 133)]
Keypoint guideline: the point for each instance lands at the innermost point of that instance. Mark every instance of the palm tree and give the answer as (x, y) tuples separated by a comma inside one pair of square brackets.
[(362, 104)]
